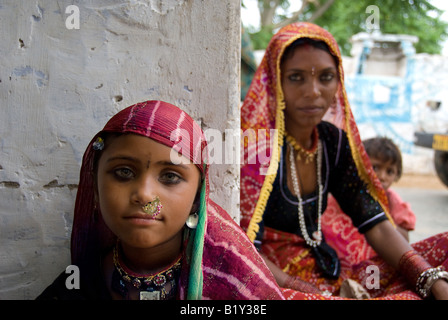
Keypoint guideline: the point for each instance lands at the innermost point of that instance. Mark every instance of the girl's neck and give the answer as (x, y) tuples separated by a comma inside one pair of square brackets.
[(151, 260)]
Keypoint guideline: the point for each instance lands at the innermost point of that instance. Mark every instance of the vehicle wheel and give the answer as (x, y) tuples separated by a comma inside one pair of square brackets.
[(441, 165)]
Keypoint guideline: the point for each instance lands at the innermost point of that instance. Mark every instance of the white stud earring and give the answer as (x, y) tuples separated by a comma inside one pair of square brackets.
[(192, 220)]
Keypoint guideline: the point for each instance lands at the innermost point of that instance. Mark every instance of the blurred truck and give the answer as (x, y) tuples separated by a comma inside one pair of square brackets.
[(438, 142)]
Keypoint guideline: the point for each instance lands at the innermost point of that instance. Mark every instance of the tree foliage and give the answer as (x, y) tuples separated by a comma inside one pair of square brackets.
[(344, 18)]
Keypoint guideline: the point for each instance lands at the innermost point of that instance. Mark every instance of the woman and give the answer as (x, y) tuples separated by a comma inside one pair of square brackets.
[(144, 226), (299, 83)]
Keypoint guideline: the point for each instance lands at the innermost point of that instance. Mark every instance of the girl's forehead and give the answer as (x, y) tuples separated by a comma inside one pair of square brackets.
[(384, 160), (143, 149)]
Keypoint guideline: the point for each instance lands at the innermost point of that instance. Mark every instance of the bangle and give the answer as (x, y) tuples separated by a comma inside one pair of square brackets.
[(427, 279), (412, 266)]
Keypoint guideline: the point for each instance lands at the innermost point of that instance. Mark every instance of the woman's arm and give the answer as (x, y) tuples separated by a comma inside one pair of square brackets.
[(391, 246), (280, 276)]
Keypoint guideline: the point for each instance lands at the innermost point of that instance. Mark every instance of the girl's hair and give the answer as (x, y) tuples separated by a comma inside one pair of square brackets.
[(386, 150), (318, 44), (107, 138)]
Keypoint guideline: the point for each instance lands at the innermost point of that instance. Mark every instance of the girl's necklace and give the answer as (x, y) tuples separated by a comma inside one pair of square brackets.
[(317, 235), (152, 286)]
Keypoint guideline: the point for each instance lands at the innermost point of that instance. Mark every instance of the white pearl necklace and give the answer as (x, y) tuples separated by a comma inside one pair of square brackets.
[(317, 235)]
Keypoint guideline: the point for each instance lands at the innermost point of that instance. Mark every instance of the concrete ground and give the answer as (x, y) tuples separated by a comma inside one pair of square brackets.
[(428, 198)]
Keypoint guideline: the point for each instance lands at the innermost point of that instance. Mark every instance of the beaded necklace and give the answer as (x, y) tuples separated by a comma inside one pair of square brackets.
[(317, 235), (309, 154), (152, 286)]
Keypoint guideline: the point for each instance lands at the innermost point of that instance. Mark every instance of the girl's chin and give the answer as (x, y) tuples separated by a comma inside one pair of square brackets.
[(147, 239)]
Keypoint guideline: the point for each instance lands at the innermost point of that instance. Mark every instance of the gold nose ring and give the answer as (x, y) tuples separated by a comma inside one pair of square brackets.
[(153, 207)]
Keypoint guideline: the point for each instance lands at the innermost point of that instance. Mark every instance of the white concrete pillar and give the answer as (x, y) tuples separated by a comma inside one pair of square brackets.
[(59, 85)]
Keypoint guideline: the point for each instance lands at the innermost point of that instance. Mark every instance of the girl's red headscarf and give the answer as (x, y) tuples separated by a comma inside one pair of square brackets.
[(221, 262), (262, 112)]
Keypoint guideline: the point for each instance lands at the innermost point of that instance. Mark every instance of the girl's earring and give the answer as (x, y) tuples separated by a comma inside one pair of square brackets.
[(192, 220)]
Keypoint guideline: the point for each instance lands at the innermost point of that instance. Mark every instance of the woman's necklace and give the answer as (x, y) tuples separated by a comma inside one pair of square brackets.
[(317, 235), (151, 286), (309, 154)]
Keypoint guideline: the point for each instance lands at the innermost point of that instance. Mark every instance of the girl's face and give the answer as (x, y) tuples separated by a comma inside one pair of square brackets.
[(387, 172), (309, 82), (133, 170)]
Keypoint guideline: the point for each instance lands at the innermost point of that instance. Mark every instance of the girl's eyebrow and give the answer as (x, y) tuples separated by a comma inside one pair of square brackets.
[(169, 163), (120, 157), (161, 162)]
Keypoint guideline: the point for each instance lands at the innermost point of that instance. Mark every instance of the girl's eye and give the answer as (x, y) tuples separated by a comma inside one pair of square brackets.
[(391, 172), (124, 173), (170, 178)]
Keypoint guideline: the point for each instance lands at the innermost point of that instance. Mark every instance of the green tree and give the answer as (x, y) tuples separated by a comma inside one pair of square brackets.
[(344, 18)]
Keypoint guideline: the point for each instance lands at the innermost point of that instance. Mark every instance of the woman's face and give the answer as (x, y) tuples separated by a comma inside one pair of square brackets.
[(309, 82), (133, 170)]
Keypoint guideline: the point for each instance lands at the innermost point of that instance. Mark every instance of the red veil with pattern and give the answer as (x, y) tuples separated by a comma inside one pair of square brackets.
[(263, 129), (221, 262)]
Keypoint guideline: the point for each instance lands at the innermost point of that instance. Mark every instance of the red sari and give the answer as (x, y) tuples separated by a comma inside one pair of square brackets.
[(262, 113)]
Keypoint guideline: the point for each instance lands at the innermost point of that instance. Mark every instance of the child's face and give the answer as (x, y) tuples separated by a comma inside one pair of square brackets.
[(134, 170), (387, 172)]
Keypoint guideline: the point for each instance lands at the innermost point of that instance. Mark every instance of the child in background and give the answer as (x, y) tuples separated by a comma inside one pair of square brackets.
[(338, 228), (386, 160)]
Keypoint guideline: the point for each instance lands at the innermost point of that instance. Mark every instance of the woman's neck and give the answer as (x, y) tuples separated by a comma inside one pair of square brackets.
[(151, 260), (303, 136)]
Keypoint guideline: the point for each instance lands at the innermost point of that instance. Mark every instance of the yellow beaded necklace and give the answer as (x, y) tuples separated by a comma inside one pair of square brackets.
[(309, 154)]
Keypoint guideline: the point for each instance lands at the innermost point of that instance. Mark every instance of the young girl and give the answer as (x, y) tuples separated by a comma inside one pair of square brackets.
[(386, 160), (144, 226)]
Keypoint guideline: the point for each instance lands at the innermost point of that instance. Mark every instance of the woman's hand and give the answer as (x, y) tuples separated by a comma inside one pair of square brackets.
[(440, 290), (284, 280), (295, 283)]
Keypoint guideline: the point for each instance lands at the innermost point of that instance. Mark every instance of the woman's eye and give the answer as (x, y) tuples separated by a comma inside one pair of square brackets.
[(327, 77), (170, 178), (124, 173), (295, 77)]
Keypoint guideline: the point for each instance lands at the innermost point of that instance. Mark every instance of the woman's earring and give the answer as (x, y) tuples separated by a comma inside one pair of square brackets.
[(192, 220)]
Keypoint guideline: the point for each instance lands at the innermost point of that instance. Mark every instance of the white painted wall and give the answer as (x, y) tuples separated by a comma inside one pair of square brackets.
[(58, 87)]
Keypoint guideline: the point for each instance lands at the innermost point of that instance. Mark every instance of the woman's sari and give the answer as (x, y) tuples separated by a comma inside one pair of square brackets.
[(262, 115)]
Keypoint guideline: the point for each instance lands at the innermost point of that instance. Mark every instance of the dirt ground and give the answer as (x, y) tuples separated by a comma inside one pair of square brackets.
[(420, 181)]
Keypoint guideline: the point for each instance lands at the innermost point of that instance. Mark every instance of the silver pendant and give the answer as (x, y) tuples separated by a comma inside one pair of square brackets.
[(148, 295), (317, 236)]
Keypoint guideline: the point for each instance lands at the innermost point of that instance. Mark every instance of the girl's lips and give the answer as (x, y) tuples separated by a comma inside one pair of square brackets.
[(142, 218)]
